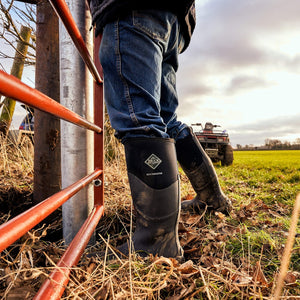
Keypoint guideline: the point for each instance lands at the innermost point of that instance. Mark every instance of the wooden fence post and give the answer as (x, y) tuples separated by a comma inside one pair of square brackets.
[(17, 71)]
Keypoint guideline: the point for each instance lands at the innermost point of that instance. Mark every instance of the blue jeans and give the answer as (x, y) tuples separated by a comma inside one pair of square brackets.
[(139, 56)]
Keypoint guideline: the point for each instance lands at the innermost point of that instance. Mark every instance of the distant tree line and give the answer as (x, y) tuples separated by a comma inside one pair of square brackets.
[(272, 144)]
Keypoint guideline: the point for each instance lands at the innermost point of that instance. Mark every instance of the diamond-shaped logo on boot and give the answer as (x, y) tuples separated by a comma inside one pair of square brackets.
[(153, 161)]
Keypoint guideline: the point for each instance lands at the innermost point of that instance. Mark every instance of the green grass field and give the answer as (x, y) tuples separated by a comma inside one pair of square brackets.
[(264, 185), (270, 176)]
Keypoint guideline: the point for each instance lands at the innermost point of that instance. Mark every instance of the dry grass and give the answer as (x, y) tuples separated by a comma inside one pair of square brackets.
[(16, 167), (212, 269), (16, 178)]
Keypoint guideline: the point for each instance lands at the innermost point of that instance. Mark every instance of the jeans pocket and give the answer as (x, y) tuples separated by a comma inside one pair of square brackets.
[(156, 24)]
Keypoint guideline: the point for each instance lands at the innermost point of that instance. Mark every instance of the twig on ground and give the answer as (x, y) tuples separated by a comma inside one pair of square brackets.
[(287, 250)]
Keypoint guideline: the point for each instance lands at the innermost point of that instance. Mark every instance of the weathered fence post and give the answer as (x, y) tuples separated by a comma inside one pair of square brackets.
[(8, 105), (47, 155)]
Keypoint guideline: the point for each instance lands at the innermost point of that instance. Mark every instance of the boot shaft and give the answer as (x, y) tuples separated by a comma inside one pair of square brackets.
[(154, 183), (152, 160), (153, 176), (202, 175), (190, 153)]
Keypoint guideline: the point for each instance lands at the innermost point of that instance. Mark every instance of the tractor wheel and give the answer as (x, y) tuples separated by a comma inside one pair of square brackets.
[(228, 156)]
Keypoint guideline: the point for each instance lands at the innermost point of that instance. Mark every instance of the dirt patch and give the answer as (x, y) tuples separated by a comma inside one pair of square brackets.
[(14, 201)]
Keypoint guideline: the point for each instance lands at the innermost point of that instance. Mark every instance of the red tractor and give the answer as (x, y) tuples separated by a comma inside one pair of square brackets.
[(215, 143)]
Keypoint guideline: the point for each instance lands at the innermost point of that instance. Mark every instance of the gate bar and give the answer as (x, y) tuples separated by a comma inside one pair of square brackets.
[(62, 10), (14, 88), (55, 285), (18, 226), (98, 120)]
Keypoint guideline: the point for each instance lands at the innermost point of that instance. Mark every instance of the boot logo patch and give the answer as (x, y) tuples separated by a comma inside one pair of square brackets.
[(153, 161)]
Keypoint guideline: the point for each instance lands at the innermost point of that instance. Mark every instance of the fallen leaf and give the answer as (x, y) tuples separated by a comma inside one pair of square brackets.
[(208, 261), (189, 238), (259, 275), (193, 219), (24, 292), (188, 268), (290, 278), (188, 197), (183, 292), (241, 279), (220, 215), (91, 267), (103, 292), (188, 251), (181, 228)]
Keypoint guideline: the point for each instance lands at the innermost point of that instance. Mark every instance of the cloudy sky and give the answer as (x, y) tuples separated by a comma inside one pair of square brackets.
[(242, 69)]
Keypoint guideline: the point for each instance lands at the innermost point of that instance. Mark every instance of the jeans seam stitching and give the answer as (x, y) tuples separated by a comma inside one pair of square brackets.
[(119, 68)]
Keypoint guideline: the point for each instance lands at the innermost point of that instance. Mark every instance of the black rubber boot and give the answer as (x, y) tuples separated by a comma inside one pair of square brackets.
[(199, 169), (154, 183)]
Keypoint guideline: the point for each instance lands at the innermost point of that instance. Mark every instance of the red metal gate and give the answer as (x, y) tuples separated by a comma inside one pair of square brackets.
[(54, 286)]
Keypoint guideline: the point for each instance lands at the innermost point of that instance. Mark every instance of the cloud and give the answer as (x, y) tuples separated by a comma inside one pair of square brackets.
[(293, 64), (273, 128), (279, 125), (194, 87), (242, 65), (267, 14), (244, 82), (228, 33)]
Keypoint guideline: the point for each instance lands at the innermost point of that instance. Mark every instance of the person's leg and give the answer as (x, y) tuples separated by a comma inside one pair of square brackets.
[(199, 169), (169, 97), (131, 59), (192, 158), (131, 55)]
